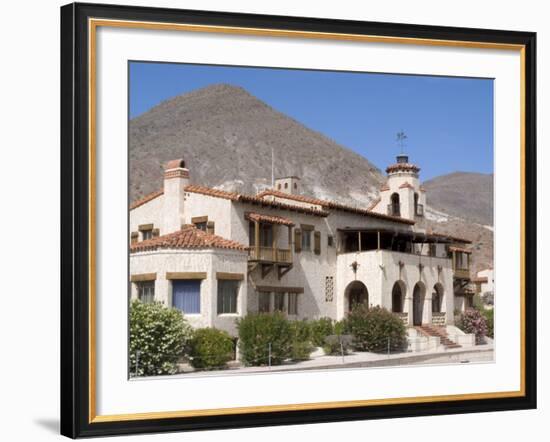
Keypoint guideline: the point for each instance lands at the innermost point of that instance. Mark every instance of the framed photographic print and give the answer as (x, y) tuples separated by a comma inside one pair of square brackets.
[(274, 220)]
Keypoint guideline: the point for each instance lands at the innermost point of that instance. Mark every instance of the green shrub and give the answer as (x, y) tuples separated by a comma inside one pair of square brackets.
[(160, 334), (489, 316), (472, 321), (258, 331), (338, 341), (210, 348), (372, 327), (320, 329), (478, 302), (301, 340)]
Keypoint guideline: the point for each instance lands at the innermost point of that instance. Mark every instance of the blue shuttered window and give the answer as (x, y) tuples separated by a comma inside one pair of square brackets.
[(186, 295)]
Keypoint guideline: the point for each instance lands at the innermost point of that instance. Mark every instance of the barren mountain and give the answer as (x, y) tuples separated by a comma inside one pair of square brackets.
[(463, 194), (226, 137)]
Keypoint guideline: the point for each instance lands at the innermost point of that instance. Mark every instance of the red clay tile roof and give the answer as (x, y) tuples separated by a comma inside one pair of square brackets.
[(374, 203), (459, 249), (291, 196), (271, 219), (335, 206), (253, 200), (146, 199), (366, 212), (451, 237), (259, 200), (209, 191), (405, 167), (480, 279), (189, 237), (406, 185)]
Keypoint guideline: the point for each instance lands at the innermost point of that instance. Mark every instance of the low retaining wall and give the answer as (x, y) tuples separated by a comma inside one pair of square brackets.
[(438, 319)]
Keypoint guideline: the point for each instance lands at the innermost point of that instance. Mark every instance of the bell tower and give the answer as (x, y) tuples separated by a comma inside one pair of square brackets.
[(402, 195)]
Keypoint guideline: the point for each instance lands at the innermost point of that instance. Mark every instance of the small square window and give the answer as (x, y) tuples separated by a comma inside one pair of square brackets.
[(293, 303), (227, 296), (201, 226), (146, 291), (264, 302), (330, 241), (279, 302), (147, 234), (306, 240)]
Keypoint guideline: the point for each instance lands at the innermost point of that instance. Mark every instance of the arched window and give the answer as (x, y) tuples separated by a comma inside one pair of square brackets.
[(395, 208), (437, 298), (356, 293), (397, 297), (419, 293)]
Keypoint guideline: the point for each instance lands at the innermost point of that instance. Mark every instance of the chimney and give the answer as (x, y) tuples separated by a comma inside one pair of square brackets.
[(176, 177)]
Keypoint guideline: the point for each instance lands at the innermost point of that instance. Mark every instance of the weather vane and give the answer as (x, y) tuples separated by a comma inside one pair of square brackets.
[(401, 137)]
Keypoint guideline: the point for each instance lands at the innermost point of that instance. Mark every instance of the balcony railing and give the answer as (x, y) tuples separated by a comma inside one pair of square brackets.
[(270, 254), (462, 273), (394, 209)]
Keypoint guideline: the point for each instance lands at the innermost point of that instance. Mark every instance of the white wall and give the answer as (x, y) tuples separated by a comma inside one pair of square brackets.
[(37, 370), (150, 212), (379, 271), (489, 285), (208, 261)]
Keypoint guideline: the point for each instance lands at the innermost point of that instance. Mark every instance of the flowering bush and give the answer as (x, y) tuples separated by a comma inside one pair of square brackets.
[(160, 335), (374, 328), (472, 321)]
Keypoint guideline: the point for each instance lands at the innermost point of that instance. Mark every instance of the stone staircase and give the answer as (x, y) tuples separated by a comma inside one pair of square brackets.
[(432, 330)]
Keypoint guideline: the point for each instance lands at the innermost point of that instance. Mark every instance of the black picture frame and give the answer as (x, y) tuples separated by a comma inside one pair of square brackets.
[(75, 221)]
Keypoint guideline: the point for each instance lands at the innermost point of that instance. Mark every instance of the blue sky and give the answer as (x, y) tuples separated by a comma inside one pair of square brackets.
[(448, 121)]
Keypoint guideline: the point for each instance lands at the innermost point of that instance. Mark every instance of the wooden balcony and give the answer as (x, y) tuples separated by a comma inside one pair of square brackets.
[(269, 258), (462, 273), (270, 255)]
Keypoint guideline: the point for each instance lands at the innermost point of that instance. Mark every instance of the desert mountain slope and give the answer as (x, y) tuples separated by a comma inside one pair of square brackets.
[(226, 136), (463, 194)]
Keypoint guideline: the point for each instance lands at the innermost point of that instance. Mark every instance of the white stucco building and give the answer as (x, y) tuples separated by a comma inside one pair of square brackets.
[(218, 255)]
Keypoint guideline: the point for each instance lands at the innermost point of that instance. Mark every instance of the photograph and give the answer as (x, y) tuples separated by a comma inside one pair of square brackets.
[(286, 220)]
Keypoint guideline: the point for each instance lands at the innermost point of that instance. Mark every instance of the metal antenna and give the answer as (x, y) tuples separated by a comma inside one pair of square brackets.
[(272, 168), (401, 137)]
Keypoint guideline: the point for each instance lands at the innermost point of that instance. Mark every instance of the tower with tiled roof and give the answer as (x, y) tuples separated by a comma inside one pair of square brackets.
[(402, 195)]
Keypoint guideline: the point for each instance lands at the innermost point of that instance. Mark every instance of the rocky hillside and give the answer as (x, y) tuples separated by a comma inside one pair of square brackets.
[(463, 194), (226, 136)]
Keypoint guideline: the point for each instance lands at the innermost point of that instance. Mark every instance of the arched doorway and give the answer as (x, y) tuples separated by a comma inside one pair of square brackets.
[(398, 297), (437, 298), (419, 293), (356, 293), (395, 206)]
